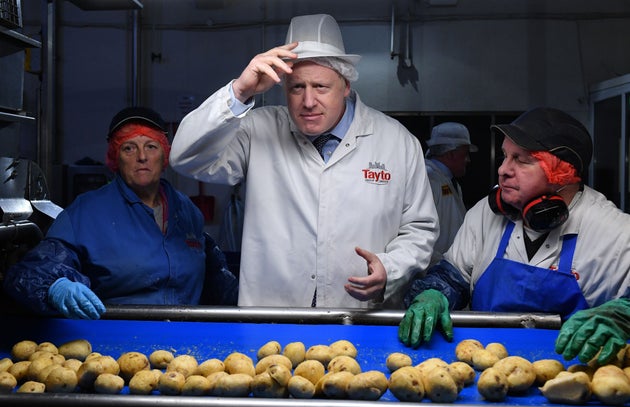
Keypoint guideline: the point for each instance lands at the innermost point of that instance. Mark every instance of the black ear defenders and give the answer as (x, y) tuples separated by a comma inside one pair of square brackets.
[(542, 214)]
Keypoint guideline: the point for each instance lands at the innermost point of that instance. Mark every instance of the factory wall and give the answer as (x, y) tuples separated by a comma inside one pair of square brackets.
[(463, 66)]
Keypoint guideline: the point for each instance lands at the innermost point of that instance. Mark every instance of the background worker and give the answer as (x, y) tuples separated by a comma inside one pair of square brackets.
[(337, 221), (136, 240), (542, 242), (447, 157)]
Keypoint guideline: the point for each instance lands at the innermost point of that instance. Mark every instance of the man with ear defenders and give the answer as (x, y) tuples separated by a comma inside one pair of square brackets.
[(542, 242)]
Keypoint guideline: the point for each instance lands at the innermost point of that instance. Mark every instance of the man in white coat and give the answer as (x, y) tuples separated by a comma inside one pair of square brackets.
[(347, 227), (447, 157)]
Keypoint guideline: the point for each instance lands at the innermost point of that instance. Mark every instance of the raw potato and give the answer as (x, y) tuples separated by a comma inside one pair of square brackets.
[(343, 363), (465, 348), (483, 359), (498, 349), (276, 359), (429, 364), (301, 388), (405, 383), (160, 358), (321, 353), (343, 347), (312, 370), (144, 382), (5, 364), (184, 364), (397, 360), (439, 385), (296, 352), (210, 366), (171, 383), (263, 385), (19, 370), (76, 349), (132, 362), (462, 372), (237, 362), (73, 364), (32, 387), (7, 382), (37, 369), (589, 370), (270, 348), (519, 372), (368, 385), (23, 349), (196, 385), (333, 385), (234, 385), (213, 378), (611, 385), (45, 353), (92, 368), (280, 373), (48, 347), (61, 380), (568, 388), (108, 383), (492, 384), (546, 369)]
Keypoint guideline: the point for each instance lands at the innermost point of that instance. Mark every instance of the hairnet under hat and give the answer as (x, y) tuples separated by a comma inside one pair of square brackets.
[(136, 114), (552, 130)]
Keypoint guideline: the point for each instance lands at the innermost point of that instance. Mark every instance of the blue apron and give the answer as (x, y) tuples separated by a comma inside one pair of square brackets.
[(510, 286)]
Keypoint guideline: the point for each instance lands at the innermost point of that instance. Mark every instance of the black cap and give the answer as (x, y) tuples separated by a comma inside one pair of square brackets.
[(136, 114), (552, 130)]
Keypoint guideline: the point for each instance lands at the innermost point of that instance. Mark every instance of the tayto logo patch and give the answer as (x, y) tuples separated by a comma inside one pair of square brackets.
[(376, 173)]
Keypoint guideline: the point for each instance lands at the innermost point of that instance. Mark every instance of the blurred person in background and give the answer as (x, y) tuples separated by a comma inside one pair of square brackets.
[(542, 241), (447, 157), (136, 240)]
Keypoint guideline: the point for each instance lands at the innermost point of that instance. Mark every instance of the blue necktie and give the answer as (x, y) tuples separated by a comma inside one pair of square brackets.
[(321, 141)]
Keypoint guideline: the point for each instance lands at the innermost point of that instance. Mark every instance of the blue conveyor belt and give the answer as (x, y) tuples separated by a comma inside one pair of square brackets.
[(206, 340)]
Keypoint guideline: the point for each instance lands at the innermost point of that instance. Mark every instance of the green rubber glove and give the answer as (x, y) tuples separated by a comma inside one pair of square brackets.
[(427, 310), (606, 327)]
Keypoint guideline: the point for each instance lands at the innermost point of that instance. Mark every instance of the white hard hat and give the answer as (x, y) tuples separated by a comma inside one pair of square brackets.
[(318, 35)]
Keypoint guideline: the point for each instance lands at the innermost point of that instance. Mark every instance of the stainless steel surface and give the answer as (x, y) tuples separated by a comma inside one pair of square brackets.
[(323, 316)]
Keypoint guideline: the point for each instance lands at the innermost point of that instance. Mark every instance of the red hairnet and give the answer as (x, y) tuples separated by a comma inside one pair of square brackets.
[(558, 172), (129, 131)]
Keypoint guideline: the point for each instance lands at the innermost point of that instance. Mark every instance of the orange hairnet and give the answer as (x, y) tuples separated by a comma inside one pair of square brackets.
[(129, 131), (558, 172)]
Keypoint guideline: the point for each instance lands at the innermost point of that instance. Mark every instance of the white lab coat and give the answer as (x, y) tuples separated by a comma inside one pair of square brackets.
[(304, 217), (602, 252), (450, 208)]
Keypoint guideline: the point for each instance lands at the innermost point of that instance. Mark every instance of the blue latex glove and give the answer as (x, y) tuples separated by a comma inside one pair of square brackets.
[(75, 300), (427, 311), (599, 331)]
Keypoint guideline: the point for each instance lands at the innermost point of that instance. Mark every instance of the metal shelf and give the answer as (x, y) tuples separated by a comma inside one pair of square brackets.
[(107, 5), (12, 117), (18, 39)]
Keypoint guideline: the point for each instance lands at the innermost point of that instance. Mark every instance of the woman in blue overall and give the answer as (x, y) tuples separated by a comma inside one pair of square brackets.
[(541, 242), (136, 240)]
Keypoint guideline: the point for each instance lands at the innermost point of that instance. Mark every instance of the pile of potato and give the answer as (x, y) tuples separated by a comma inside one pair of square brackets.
[(320, 371), (502, 375)]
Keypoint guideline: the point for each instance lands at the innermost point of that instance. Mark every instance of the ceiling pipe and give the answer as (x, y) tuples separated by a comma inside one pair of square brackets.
[(392, 54)]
